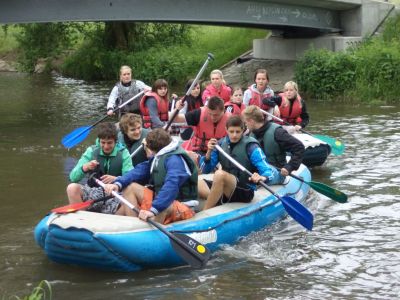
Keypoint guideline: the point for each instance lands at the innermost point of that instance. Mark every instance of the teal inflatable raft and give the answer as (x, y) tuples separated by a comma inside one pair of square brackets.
[(119, 243)]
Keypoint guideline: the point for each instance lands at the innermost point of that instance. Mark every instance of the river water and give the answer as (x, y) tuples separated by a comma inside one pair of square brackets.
[(352, 252)]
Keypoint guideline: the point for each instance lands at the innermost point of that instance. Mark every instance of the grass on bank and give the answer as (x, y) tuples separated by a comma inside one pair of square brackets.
[(8, 40), (42, 291), (226, 43)]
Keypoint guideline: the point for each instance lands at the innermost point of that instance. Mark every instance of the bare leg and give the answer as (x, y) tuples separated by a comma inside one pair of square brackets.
[(223, 184), (74, 193), (134, 194), (203, 189)]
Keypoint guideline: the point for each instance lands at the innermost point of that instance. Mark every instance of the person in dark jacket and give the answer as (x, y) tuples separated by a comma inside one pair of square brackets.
[(274, 140), (192, 101), (170, 177)]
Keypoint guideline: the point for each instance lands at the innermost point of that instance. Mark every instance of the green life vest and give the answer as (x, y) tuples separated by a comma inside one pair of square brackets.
[(188, 191), (110, 165), (141, 155), (274, 153), (239, 153)]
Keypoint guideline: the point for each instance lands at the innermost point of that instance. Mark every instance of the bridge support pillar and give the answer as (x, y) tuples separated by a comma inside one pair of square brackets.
[(292, 49)]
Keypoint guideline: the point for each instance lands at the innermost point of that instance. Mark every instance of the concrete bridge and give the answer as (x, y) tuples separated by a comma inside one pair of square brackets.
[(295, 24)]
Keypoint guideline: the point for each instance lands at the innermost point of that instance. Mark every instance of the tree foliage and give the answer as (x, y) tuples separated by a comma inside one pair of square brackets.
[(48, 40), (133, 36), (45, 40)]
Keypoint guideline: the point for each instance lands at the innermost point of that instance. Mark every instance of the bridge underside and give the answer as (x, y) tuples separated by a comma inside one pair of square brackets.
[(287, 17)]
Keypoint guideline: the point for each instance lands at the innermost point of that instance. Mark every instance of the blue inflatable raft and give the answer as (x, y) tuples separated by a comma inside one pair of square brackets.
[(119, 243)]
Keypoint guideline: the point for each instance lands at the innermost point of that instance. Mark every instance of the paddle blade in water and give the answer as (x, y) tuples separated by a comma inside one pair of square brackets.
[(76, 136), (329, 191), (298, 212), (191, 251), (72, 207), (337, 146)]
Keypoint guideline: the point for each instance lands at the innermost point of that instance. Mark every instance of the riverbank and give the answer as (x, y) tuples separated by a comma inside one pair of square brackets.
[(8, 62), (237, 72)]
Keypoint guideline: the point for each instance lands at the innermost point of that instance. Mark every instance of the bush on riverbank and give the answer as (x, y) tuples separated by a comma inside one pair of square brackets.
[(174, 63), (368, 73)]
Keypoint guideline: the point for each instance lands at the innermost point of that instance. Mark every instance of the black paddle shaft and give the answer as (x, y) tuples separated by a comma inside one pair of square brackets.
[(184, 245), (191, 251)]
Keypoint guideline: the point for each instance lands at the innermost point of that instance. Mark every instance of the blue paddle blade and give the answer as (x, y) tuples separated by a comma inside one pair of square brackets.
[(76, 136), (298, 212), (337, 146)]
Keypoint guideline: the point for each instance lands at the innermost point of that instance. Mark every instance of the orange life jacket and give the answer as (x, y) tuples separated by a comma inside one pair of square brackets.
[(292, 117), (162, 107), (178, 212), (206, 130)]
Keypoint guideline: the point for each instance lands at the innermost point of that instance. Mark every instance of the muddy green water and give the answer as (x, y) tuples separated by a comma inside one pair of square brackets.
[(352, 252)]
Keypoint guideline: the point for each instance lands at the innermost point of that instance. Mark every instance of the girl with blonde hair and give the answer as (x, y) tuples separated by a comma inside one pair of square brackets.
[(292, 107), (217, 87)]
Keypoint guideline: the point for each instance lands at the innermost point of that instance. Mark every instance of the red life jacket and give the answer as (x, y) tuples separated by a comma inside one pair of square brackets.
[(292, 117), (206, 130), (236, 109), (224, 92), (256, 98), (162, 107)]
